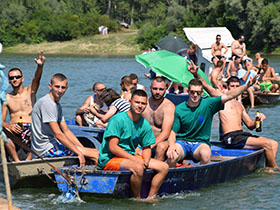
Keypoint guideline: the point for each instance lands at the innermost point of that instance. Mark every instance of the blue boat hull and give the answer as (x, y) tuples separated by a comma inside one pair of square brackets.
[(243, 162)]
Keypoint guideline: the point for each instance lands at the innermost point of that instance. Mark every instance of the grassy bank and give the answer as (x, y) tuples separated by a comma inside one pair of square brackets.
[(114, 43)]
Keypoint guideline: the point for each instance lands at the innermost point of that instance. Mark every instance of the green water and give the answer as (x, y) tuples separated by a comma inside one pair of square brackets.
[(256, 191)]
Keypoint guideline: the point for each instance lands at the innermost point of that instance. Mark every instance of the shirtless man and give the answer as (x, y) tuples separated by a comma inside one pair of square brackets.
[(135, 82), (259, 59), (238, 48), (234, 66), (216, 76), (216, 50), (231, 119), (268, 76), (160, 114), (19, 103)]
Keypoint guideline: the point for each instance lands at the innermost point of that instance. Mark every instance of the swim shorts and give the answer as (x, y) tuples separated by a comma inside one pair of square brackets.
[(265, 86), (59, 150), (115, 163), (189, 148), (218, 56), (236, 139), (25, 137)]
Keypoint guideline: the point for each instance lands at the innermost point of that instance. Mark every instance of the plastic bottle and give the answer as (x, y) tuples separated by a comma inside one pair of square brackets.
[(258, 122)]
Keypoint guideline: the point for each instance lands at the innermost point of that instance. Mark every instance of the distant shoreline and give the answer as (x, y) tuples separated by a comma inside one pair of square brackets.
[(122, 43)]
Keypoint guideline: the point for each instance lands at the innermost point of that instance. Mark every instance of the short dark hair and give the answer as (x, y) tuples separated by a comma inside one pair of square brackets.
[(126, 80), (109, 96), (233, 79), (58, 76), (159, 79), (139, 93), (95, 84), (15, 69), (219, 63), (195, 82), (133, 76), (218, 35), (264, 61)]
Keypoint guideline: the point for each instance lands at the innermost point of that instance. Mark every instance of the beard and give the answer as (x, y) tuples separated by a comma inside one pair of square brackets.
[(157, 96)]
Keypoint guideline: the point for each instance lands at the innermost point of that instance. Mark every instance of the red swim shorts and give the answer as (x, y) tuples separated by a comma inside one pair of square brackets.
[(115, 163)]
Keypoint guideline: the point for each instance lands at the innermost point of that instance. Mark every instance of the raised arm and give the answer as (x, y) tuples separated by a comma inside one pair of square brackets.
[(37, 77), (237, 91)]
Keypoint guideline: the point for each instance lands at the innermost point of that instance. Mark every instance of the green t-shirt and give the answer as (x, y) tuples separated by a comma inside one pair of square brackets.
[(130, 134), (194, 123)]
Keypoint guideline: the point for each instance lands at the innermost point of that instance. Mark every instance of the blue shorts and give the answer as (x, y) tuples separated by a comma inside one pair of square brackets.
[(58, 151), (189, 148)]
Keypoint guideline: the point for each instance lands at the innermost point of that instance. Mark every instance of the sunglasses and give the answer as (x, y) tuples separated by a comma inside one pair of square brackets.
[(198, 92), (17, 77)]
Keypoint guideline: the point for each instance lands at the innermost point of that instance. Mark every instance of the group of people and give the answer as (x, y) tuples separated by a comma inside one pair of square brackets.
[(141, 132), (242, 67)]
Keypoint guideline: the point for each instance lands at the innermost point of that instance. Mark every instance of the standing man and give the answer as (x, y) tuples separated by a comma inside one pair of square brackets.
[(123, 134), (19, 104), (83, 115), (160, 114), (51, 136), (216, 50), (193, 121)]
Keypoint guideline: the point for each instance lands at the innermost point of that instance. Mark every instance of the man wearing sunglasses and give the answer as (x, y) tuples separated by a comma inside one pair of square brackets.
[(19, 104), (216, 50), (193, 122)]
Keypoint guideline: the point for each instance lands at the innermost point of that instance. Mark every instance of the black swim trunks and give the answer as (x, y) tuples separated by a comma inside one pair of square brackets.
[(219, 57), (236, 139)]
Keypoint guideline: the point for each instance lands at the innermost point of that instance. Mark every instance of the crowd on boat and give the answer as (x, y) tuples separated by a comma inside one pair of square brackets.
[(141, 132)]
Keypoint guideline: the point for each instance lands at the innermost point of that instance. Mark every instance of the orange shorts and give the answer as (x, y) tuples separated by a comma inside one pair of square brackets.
[(115, 163)]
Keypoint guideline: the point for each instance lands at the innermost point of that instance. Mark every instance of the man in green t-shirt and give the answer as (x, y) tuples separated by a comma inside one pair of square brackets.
[(193, 120), (123, 134)]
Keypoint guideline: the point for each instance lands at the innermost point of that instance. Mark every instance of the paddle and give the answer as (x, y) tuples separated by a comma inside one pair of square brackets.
[(16, 140)]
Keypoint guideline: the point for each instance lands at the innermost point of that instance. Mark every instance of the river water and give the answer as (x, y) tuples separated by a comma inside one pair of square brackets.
[(256, 191)]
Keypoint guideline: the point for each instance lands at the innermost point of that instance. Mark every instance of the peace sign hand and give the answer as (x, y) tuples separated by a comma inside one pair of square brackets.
[(41, 59)]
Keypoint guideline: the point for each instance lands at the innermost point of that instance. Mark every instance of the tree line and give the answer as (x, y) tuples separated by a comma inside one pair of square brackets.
[(33, 21)]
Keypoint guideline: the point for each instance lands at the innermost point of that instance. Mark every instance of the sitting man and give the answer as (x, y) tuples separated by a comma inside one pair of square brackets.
[(231, 119), (217, 75), (268, 76), (259, 59), (135, 82), (127, 87), (51, 136), (19, 104), (160, 114), (193, 121), (234, 66), (83, 115), (238, 48), (123, 134)]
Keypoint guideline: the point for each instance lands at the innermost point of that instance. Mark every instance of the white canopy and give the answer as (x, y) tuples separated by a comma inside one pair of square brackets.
[(205, 37)]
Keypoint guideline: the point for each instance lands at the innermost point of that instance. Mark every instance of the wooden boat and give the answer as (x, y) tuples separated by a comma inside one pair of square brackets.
[(261, 98), (226, 165), (32, 173)]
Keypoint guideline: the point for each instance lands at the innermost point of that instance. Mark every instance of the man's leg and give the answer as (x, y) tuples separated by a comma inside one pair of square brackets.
[(161, 149), (270, 147), (202, 153), (274, 88), (136, 177), (162, 169), (251, 97), (11, 149), (179, 155)]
